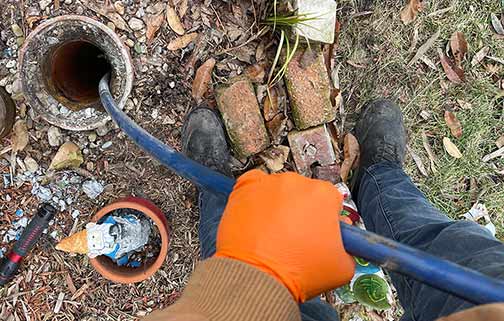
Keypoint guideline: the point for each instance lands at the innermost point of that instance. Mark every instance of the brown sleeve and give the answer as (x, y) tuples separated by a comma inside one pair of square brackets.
[(489, 312), (228, 290)]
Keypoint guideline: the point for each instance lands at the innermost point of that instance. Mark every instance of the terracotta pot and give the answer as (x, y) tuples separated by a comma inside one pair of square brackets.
[(122, 274)]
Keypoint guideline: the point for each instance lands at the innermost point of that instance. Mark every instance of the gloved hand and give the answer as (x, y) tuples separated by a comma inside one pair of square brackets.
[(288, 226)]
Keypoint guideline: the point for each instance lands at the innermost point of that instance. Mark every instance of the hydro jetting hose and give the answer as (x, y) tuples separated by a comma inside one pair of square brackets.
[(441, 274)]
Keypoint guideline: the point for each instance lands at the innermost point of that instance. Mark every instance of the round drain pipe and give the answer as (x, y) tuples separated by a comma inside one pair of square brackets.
[(61, 64)]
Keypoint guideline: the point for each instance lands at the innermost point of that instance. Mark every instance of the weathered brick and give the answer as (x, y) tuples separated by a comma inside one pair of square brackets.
[(311, 147), (242, 117), (309, 89)]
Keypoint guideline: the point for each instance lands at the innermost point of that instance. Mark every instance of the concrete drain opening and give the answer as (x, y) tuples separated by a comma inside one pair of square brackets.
[(61, 64)]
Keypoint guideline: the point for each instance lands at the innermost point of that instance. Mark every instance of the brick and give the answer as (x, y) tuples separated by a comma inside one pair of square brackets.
[(309, 89), (242, 117), (330, 173), (311, 147)]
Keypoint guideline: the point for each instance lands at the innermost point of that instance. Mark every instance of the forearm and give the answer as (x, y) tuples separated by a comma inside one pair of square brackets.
[(224, 289)]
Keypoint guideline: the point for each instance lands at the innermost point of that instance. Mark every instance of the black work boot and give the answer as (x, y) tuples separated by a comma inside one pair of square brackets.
[(204, 140), (381, 135)]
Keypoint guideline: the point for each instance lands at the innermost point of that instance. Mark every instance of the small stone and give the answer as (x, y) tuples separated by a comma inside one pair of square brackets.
[(68, 156), (275, 157), (172, 84), (44, 4), (54, 136), (111, 25), (68, 2), (16, 29), (92, 189), (31, 164), (309, 89), (242, 117), (311, 147), (54, 234), (136, 24), (90, 166), (155, 114), (10, 64), (75, 214), (130, 43), (119, 7), (102, 130), (92, 137), (106, 145)]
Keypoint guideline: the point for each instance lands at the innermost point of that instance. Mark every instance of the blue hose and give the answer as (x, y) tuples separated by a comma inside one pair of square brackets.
[(441, 274)]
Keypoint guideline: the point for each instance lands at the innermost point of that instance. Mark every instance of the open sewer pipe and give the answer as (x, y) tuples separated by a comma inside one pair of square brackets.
[(62, 62)]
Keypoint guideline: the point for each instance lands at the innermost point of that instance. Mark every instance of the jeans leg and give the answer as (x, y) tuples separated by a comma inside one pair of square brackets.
[(211, 208), (392, 206)]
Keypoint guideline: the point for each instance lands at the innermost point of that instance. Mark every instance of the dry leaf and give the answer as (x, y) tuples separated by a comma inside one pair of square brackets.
[(500, 142), (271, 107), (464, 104), (174, 20), (479, 56), (418, 161), (31, 20), (182, 42), (458, 46), (20, 137), (454, 73), (498, 153), (277, 128), (451, 148), (453, 123), (154, 22), (497, 25), (410, 12), (182, 8), (275, 157), (260, 52), (425, 47), (255, 73), (430, 153), (202, 79), (70, 283), (351, 153), (104, 11)]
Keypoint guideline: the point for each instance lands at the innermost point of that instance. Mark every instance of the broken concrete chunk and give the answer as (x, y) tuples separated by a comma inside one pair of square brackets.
[(242, 117), (275, 157), (322, 15), (311, 147), (67, 156), (309, 89), (330, 173)]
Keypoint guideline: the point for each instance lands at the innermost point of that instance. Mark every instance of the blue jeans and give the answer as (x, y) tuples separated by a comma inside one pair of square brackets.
[(392, 206)]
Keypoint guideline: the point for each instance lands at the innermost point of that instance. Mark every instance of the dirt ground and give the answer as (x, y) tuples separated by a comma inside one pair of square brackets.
[(373, 53)]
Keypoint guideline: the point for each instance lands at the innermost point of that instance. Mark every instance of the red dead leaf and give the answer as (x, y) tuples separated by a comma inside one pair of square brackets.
[(454, 73), (202, 79), (453, 123)]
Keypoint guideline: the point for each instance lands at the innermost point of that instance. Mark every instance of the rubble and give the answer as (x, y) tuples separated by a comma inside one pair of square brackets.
[(323, 19), (92, 188), (311, 147), (275, 157), (54, 136)]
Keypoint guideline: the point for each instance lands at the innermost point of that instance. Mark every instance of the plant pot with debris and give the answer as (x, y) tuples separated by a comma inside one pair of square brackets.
[(127, 241)]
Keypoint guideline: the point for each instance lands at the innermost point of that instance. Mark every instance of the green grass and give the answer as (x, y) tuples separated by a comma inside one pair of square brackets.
[(382, 44)]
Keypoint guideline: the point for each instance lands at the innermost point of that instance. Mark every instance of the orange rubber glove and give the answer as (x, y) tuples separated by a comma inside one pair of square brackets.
[(288, 226)]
